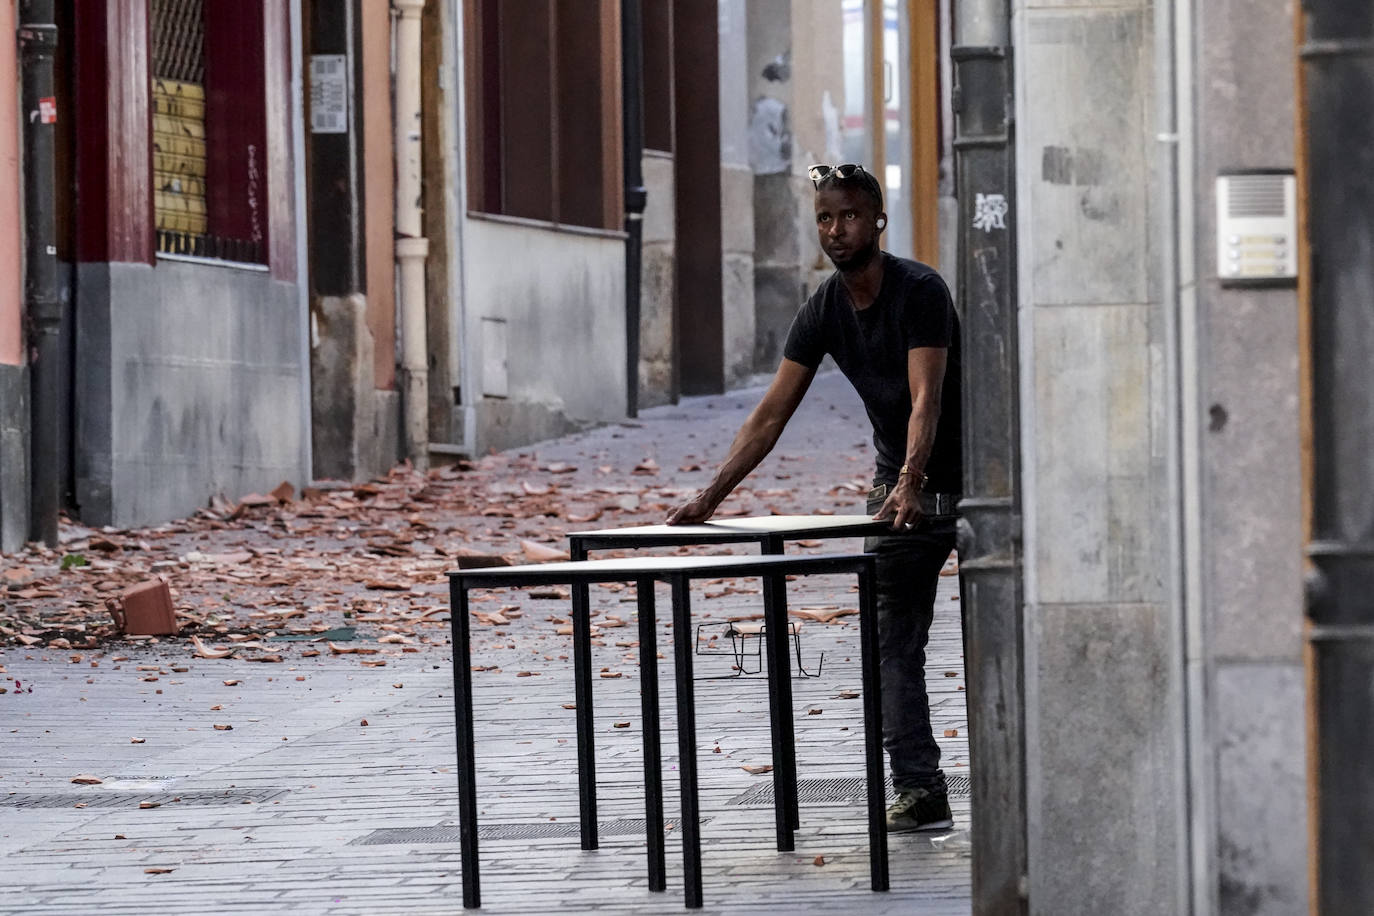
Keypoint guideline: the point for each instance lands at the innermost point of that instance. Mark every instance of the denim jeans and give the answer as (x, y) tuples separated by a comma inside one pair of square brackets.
[(908, 573)]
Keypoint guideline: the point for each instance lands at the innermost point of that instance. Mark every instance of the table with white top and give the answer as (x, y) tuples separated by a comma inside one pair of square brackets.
[(771, 533), (678, 573)]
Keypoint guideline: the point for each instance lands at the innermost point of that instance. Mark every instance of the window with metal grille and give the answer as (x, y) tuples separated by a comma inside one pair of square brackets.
[(209, 128)]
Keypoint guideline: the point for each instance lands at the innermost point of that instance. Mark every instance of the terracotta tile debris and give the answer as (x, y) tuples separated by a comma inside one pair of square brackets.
[(144, 609), (542, 553), (293, 563)]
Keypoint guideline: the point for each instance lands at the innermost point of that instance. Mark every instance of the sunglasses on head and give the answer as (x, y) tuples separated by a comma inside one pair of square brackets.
[(819, 172)]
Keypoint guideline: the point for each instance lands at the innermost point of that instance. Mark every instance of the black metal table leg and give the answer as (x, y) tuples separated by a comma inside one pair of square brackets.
[(653, 756), (780, 687), (873, 729), (687, 741), (582, 691), (467, 764), (779, 708)]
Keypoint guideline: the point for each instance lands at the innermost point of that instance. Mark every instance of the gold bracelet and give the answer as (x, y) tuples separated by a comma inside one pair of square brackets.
[(906, 469)]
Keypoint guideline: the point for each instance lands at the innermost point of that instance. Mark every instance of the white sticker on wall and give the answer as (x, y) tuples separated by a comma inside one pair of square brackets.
[(329, 93)]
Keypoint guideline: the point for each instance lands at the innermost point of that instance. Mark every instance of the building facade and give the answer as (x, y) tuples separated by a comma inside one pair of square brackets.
[(1151, 673), (238, 226), (735, 106), (236, 309)]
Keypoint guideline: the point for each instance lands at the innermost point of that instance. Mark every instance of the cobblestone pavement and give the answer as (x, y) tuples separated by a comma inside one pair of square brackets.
[(333, 789)]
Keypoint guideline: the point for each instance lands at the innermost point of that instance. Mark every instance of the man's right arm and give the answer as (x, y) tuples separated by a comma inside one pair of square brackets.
[(753, 442)]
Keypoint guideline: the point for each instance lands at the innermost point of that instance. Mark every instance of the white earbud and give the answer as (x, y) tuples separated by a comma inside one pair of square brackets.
[(882, 223)]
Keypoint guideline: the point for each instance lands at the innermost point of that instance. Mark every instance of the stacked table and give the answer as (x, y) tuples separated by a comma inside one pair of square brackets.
[(770, 533)]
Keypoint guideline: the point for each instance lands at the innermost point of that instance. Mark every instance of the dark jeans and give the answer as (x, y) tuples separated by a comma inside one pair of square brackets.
[(909, 566)]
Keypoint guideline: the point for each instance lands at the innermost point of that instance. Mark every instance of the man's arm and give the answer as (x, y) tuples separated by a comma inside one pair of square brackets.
[(925, 369), (753, 442)]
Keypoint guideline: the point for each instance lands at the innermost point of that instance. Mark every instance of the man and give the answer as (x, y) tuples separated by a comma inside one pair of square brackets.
[(891, 328)]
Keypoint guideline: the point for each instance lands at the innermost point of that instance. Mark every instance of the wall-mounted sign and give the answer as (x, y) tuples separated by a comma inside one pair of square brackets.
[(329, 93)]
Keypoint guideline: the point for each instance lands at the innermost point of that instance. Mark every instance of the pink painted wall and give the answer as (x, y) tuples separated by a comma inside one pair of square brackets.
[(11, 285)]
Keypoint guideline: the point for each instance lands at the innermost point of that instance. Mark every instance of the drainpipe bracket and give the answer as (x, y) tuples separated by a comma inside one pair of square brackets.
[(411, 247)]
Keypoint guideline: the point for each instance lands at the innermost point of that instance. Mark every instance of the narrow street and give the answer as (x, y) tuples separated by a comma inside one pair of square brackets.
[(317, 316), (292, 750)]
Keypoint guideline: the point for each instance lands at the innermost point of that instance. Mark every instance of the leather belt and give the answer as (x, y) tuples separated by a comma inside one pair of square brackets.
[(931, 503)]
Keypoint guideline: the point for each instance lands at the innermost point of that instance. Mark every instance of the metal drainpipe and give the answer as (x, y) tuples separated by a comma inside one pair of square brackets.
[(37, 41), (1177, 226), (632, 108), (300, 177), (461, 354), (990, 559), (1337, 58), (412, 248)]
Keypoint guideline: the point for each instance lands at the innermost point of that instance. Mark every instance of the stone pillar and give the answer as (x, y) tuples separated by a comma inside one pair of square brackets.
[(1105, 815), (777, 233), (736, 195), (657, 283), (355, 410)]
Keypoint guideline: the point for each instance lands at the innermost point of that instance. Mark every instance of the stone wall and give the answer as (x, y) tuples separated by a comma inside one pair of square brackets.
[(1106, 822), (14, 457), (736, 194), (1249, 645), (544, 312), (356, 431), (190, 383), (657, 283)]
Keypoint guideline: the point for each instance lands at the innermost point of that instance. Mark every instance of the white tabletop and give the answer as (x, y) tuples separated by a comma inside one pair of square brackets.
[(796, 526), (634, 567)]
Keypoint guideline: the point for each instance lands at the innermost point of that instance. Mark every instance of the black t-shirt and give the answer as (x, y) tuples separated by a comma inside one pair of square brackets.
[(913, 309)]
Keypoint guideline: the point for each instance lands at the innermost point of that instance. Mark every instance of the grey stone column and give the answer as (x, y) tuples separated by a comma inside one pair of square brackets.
[(777, 248), (1104, 818)]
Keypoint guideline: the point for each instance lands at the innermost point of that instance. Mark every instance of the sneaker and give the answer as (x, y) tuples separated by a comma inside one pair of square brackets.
[(919, 809)]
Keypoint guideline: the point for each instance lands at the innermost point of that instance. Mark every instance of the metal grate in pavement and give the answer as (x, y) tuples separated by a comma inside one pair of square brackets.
[(536, 831), (847, 790), (98, 799)]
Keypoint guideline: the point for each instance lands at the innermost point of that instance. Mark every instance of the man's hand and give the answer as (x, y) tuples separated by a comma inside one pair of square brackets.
[(754, 440), (698, 510), (903, 505)]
